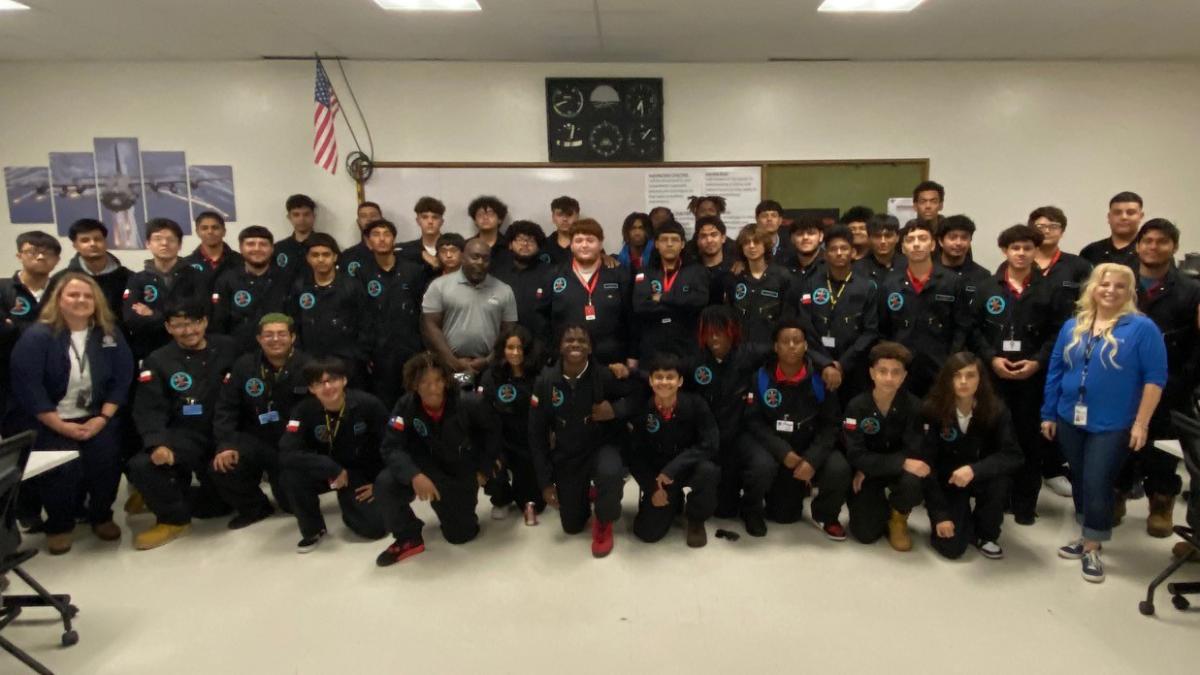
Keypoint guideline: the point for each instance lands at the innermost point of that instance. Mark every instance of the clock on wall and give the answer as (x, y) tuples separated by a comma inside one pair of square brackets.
[(604, 119)]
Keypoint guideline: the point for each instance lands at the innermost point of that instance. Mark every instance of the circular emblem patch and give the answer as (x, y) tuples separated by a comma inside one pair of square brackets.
[(895, 302), (995, 305), (307, 300), (821, 296), (772, 397), (422, 430), (739, 292), (255, 387), (703, 375), (353, 268), (198, 267), (949, 434), (322, 433), (374, 288), (656, 285), (556, 397), (180, 381), (506, 393), (652, 423), (560, 284), (281, 260), (21, 307), (242, 298), (870, 426), (544, 258), (149, 293)]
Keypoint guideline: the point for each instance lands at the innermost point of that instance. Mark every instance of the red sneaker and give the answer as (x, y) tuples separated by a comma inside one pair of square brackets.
[(834, 530), (399, 551), (592, 492), (602, 538)]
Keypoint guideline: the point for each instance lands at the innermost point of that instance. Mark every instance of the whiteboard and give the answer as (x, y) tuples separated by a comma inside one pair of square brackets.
[(608, 194)]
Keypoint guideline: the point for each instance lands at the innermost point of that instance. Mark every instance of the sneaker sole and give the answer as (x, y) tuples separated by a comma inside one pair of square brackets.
[(1070, 556), (1093, 579), (991, 556)]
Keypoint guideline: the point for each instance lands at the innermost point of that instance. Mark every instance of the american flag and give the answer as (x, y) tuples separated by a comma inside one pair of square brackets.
[(325, 152)]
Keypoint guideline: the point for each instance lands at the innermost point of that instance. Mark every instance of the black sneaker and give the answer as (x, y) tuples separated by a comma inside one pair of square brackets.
[(247, 519), (1025, 518), (307, 544), (400, 550), (756, 525)]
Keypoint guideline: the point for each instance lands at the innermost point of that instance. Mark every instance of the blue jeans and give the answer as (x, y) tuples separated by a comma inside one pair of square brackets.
[(1095, 460)]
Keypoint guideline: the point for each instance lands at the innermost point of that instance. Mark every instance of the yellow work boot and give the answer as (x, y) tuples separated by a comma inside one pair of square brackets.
[(1159, 523), (158, 535), (898, 535), (135, 504)]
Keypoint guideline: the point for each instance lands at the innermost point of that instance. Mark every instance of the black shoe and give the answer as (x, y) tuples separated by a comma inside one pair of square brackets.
[(1025, 518), (247, 519), (307, 544), (756, 525), (211, 509), (399, 550)]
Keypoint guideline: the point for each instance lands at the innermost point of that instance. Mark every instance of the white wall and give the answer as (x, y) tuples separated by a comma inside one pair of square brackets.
[(1003, 137)]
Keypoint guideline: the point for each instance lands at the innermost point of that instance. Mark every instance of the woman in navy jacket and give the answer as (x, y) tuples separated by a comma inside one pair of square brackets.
[(71, 371)]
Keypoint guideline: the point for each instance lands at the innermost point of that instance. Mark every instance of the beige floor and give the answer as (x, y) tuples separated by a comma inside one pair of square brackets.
[(532, 600)]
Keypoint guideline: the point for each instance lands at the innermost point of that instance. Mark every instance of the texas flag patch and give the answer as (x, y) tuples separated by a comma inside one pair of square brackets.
[(749, 398), (806, 299), (850, 424), (228, 376), (125, 295), (216, 297), (293, 426), (641, 276), (396, 423), (539, 294), (533, 401), (145, 376)]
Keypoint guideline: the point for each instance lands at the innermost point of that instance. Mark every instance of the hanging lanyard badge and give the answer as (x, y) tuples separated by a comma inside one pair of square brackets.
[(829, 340), (333, 425), (589, 310), (1081, 411), (269, 379), (84, 399)]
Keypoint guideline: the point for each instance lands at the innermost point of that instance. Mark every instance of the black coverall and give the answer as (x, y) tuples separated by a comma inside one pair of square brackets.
[(240, 299), (507, 397), (759, 303), (845, 317), (157, 291), (332, 320), (668, 325), (393, 322), (933, 324), (610, 326), (877, 444)]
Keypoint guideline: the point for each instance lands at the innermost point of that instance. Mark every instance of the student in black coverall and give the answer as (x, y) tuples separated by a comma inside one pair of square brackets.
[(973, 452), (882, 434), (667, 298), (332, 442), (243, 294), (255, 403), (329, 308), (506, 387), (441, 448), (675, 441), (795, 420), (585, 407), (178, 387)]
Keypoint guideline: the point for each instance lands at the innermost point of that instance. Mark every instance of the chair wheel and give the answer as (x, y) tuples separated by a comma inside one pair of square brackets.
[(69, 638), (1146, 608), (1181, 603)]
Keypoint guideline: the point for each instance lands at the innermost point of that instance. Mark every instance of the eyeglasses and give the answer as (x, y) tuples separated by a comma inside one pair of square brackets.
[(1049, 226), (330, 382), (36, 251), (185, 324)]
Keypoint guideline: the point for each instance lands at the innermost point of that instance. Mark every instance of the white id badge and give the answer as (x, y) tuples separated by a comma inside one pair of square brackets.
[(785, 425), (1080, 415), (1012, 345), (829, 341)]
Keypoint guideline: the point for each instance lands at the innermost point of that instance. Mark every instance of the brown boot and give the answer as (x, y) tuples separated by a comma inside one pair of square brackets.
[(160, 534), (697, 536), (1182, 549), (1159, 523), (58, 544), (898, 535), (1119, 508), (109, 531)]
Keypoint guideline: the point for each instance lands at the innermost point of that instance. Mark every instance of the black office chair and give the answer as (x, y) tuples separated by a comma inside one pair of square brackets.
[(14, 453), (1188, 426)]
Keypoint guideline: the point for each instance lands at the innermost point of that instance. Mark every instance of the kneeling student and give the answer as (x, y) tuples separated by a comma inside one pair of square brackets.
[(332, 442), (675, 441), (795, 419), (506, 387), (440, 448), (883, 443), (585, 407), (969, 438)]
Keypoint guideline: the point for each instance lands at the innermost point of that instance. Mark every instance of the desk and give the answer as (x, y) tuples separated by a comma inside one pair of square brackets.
[(1171, 447), (41, 461)]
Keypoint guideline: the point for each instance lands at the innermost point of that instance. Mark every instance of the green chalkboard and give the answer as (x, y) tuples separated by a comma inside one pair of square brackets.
[(842, 184)]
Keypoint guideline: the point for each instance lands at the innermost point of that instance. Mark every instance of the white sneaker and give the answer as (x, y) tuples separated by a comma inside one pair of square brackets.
[(990, 549), (499, 512), (1059, 485)]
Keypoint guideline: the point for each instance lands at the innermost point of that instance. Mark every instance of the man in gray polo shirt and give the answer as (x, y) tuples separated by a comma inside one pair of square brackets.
[(464, 312)]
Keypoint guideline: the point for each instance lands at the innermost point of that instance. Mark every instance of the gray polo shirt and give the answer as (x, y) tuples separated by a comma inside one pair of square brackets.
[(471, 315)]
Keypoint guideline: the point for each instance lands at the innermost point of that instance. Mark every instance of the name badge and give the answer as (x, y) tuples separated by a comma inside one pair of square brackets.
[(829, 341), (943, 298), (268, 417), (608, 286), (1012, 345), (786, 426), (589, 312), (666, 320), (769, 294), (193, 409), (1080, 415)]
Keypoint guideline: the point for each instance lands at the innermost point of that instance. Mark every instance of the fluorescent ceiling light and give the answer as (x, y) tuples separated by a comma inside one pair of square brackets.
[(869, 5), (430, 5), (11, 5)]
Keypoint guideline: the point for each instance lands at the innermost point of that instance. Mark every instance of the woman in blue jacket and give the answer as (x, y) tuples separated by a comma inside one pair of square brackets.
[(71, 371), (1106, 376)]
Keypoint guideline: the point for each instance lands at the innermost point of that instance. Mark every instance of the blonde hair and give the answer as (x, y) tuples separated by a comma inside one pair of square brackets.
[(102, 316), (1085, 311)]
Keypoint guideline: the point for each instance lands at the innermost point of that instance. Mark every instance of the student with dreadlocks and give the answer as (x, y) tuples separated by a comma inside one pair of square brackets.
[(706, 205)]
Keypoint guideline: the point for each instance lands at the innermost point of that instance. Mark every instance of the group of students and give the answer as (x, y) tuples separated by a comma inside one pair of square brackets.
[(877, 366)]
